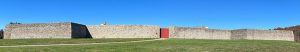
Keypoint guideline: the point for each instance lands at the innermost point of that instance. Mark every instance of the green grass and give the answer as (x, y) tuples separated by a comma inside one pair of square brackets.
[(174, 45), (9, 42)]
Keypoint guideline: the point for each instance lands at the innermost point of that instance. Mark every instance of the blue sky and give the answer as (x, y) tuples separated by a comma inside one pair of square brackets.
[(216, 14)]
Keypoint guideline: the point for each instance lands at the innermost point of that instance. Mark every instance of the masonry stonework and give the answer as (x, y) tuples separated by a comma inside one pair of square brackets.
[(39, 30), (249, 34), (252, 34), (75, 30), (238, 34), (198, 33), (295, 29), (124, 31)]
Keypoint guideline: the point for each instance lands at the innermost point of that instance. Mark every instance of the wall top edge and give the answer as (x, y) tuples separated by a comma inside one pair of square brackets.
[(44, 23), (224, 29), (122, 25)]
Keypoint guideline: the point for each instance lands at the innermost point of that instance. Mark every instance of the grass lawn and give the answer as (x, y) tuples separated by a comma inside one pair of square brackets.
[(8, 42), (173, 45)]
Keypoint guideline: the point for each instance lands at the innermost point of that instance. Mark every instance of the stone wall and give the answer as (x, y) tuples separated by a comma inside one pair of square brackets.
[(124, 31), (75, 30), (295, 29), (249, 34), (252, 34), (41, 30), (198, 33), (238, 34)]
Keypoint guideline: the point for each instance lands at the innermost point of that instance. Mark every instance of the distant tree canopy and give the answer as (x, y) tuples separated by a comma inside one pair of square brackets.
[(1, 33), (280, 28), (14, 23), (1, 30)]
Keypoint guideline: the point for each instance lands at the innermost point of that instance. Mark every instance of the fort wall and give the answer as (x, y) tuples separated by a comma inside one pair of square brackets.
[(198, 33), (124, 31), (249, 34), (75, 30), (252, 34), (41, 30)]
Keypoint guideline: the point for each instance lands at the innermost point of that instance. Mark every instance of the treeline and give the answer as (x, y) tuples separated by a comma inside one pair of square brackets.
[(1, 33)]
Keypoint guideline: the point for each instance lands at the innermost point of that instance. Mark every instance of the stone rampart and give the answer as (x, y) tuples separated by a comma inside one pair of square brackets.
[(198, 33), (124, 31), (295, 29), (74, 30), (40, 30), (252, 34), (249, 34)]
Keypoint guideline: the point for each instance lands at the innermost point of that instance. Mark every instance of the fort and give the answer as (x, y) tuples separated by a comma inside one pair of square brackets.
[(75, 30)]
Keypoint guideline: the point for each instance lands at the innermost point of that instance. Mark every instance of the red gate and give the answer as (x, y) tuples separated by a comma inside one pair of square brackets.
[(164, 33)]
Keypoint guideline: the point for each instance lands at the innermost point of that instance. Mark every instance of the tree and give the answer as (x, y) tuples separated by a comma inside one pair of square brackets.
[(14, 23), (1, 33), (279, 28)]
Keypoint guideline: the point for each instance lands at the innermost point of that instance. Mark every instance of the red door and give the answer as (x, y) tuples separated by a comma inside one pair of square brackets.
[(164, 33)]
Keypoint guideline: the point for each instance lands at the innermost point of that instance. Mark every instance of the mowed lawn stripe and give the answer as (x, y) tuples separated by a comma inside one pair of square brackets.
[(173, 45), (79, 43), (12, 42)]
